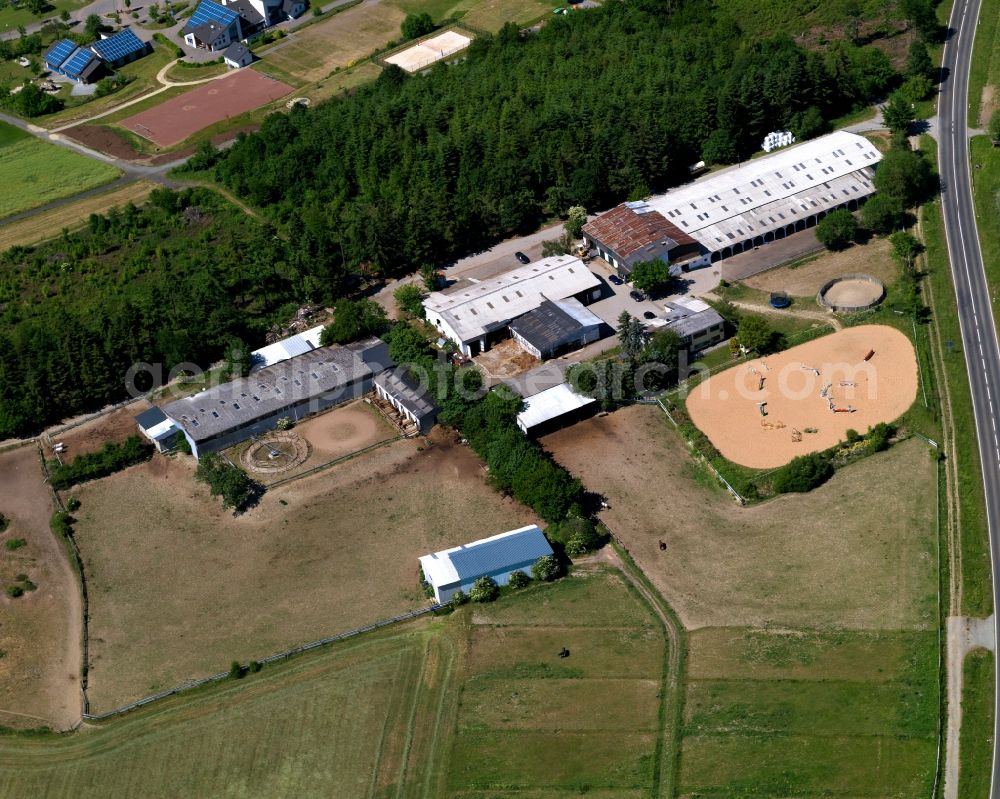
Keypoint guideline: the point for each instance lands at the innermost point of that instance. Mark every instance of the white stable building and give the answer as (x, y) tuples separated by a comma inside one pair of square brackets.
[(739, 208), (477, 315), (498, 557), (553, 407)]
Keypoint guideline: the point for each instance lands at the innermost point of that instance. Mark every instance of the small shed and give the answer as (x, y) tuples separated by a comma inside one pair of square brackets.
[(554, 407), (556, 326), (498, 557), (159, 428), (410, 399), (237, 55)]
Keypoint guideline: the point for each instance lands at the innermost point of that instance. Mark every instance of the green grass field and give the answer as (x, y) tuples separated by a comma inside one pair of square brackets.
[(457, 706), (34, 172), (975, 565), (802, 712), (976, 746), (11, 17), (985, 67)]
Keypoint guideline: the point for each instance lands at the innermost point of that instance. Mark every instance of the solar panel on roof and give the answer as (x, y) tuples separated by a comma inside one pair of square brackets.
[(77, 62), (119, 46), (209, 11), (60, 52)]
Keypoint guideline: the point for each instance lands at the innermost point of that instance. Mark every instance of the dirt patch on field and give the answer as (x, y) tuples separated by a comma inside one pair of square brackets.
[(812, 395), (104, 140), (506, 359), (91, 436), (40, 630), (857, 552), (987, 105), (808, 278), (180, 588)]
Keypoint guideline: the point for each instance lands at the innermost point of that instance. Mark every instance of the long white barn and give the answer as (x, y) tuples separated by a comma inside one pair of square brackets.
[(477, 315), (741, 207)]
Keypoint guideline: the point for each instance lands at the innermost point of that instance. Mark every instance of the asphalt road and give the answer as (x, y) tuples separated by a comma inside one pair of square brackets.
[(979, 337)]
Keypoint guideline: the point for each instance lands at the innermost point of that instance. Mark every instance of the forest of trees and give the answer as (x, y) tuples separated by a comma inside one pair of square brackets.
[(594, 109), (407, 173)]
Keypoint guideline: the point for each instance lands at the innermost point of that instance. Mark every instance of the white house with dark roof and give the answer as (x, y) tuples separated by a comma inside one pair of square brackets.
[(458, 568), (477, 315), (155, 425), (410, 399)]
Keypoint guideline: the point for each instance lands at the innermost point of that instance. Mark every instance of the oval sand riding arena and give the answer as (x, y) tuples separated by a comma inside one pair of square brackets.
[(766, 411)]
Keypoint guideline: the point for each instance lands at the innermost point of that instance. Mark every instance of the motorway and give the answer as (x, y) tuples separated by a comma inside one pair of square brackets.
[(979, 336)]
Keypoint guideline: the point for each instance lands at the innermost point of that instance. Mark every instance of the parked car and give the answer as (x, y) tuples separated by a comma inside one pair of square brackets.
[(637, 295), (649, 315), (616, 281), (524, 259)]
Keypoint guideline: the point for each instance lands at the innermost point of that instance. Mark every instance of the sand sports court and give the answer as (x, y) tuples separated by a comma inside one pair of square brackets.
[(760, 413), (171, 122), (425, 53)]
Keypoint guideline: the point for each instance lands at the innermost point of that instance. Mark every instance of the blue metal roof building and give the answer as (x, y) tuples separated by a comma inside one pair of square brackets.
[(120, 48), (58, 53), (498, 557)]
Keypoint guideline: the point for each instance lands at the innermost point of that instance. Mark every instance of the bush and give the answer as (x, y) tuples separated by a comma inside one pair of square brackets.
[(546, 569), (237, 490), (518, 580), (417, 25), (14, 591), (72, 504), (881, 214), (755, 333), (852, 436), (803, 474), (255, 666), (878, 437), (109, 459), (577, 535), (15, 543), (485, 589), (354, 320), (4, 522), (236, 671), (459, 598), (62, 524), (410, 301), (837, 229)]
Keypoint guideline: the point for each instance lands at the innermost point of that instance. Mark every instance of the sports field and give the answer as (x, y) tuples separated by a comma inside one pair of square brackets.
[(449, 707), (171, 122), (302, 565), (811, 664), (764, 412), (34, 172), (430, 51)]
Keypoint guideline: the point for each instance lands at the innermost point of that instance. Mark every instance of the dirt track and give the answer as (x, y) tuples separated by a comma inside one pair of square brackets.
[(39, 631), (726, 407)]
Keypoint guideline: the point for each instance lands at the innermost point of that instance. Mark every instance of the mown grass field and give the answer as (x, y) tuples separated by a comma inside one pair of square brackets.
[(11, 17), (976, 746), (49, 224), (34, 172), (985, 68), (811, 664), (450, 707)]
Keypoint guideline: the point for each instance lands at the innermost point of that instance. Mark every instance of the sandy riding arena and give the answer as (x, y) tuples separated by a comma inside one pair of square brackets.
[(764, 412), (171, 122), (429, 51)]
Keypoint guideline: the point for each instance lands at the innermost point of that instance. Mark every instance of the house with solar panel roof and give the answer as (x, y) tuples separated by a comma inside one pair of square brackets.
[(216, 25), (120, 48), (72, 61)]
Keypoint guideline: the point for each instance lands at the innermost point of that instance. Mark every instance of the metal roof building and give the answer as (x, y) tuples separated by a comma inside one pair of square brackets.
[(477, 315), (553, 405), (407, 396), (556, 326), (158, 428), (290, 347), (225, 415), (747, 205), (120, 48), (697, 323), (498, 557), (75, 63)]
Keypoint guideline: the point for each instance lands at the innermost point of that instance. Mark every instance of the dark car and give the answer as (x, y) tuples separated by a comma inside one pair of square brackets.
[(615, 280), (649, 315), (524, 259), (637, 295)]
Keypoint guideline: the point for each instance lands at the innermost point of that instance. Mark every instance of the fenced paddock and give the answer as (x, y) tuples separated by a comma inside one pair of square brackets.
[(429, 51), (851, 293)]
